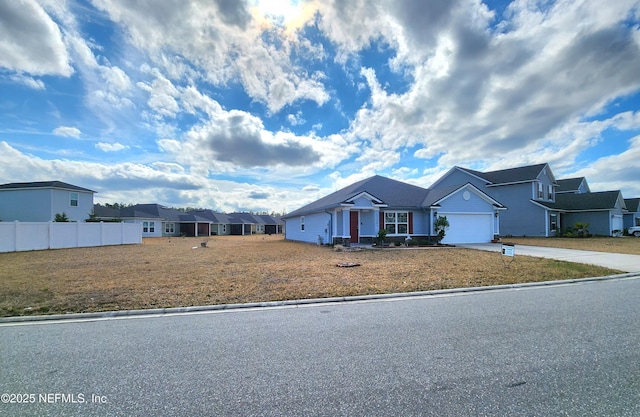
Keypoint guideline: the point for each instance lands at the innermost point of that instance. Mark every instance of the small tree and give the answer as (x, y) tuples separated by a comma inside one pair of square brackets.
[(382, 235), (61, 217), (441, 225)]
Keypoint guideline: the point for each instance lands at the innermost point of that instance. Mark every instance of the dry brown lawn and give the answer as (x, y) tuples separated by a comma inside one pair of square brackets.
[(627, 244), (177, 272)]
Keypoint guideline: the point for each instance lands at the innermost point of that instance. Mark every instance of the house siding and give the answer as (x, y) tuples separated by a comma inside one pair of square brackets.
[(315, 224), (32, 206), (598, 221), (522, 217), (42, 205)]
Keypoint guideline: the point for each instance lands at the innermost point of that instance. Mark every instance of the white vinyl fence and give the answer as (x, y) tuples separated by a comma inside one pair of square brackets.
[(25, 236)]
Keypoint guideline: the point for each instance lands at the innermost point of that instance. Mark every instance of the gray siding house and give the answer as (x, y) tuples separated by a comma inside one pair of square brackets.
[(41, 201), (523, 190), (356, 213), (602, 210), (632, 217)]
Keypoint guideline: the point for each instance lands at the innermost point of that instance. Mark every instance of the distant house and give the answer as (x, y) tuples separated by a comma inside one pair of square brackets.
[(41, 201), (158, 221), (632, 217), (356, 213)]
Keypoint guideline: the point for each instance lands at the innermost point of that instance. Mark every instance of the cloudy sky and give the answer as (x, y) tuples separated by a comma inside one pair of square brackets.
[(268, 105)]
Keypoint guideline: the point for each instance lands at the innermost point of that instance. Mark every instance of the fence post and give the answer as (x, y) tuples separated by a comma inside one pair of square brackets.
[(15, 238), (50, 233)]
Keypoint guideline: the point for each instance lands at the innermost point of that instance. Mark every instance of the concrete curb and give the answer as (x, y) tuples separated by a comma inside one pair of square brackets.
[(287, 303)]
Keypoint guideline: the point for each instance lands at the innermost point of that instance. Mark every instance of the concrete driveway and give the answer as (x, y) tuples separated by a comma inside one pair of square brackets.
[(621, 262)]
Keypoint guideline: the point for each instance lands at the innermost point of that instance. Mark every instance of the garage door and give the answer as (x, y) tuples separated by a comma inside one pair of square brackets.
[(468, 228), (616, 223)]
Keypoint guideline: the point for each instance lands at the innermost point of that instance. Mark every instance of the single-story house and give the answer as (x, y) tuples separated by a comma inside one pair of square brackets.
[(357, 212), (632, 217), (158, 221), (40, 201)]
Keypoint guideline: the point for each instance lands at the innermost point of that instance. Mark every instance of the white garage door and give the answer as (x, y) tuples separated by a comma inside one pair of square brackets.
[(468, 228), (616, 224)]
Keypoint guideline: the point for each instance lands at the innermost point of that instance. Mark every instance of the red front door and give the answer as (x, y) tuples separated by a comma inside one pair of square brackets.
[(354, 220)]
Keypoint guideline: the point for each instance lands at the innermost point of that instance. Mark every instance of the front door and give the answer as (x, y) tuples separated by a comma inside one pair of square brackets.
[(354, 220)]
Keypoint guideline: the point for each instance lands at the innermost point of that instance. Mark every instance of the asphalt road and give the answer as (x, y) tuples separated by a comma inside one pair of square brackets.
[(567, 350)]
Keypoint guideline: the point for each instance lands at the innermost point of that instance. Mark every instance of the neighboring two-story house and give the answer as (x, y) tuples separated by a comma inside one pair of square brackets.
[(525, 191), (41, 201)]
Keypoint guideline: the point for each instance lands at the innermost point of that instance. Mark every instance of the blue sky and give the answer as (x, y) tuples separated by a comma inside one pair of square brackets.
[(268, 105)]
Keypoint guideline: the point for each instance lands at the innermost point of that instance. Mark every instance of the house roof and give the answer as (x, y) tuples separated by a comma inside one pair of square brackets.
[(604, 200), (435, 195), (567, 185), (509, 176), (633, 204), (157, 211), (43, 184), (394, 193)]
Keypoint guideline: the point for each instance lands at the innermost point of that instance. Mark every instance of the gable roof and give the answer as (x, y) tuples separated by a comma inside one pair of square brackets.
[(633, 204), (43, 184), (509, 176), (568, 185), (604, 200), (392, 192), (436, 195)]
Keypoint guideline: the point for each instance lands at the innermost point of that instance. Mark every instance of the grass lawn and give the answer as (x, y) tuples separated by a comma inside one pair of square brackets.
[(178, 272), (627, 244)]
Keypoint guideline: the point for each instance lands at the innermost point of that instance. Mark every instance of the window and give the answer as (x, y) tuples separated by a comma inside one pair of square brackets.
[(302, 223), (550, 192), (540, 190), (637, 221), (73, 199), (396, 222), (148, 227), (553, 222), (169, 228)]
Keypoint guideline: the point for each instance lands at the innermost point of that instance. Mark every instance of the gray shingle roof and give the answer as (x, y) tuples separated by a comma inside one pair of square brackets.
[(395, 193), (44, 184), (604, 200), (569, 184), (633, 204), (511, 175)]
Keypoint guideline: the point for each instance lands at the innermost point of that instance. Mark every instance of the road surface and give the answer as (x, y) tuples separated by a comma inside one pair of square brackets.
[(567, 350)]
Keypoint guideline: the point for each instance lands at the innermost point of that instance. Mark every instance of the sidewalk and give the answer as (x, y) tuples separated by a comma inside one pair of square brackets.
[(621, 262)]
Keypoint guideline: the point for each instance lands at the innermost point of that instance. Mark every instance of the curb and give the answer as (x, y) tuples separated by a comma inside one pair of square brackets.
[(301, 302)]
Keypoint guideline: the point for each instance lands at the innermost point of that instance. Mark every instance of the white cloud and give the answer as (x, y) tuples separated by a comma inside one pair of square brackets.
[(111, 147), (71, 132), (30, 41), (28, 81)]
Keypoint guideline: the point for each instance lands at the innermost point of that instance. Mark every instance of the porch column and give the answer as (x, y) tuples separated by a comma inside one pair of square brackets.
[(346, 223), (376, 220)]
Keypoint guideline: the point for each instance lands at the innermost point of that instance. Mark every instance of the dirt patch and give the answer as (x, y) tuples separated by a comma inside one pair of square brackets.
[(180, 272)]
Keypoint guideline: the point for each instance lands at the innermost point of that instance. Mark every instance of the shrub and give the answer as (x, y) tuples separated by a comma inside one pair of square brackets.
[(382, 235), (61, 217), (441, 225)]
